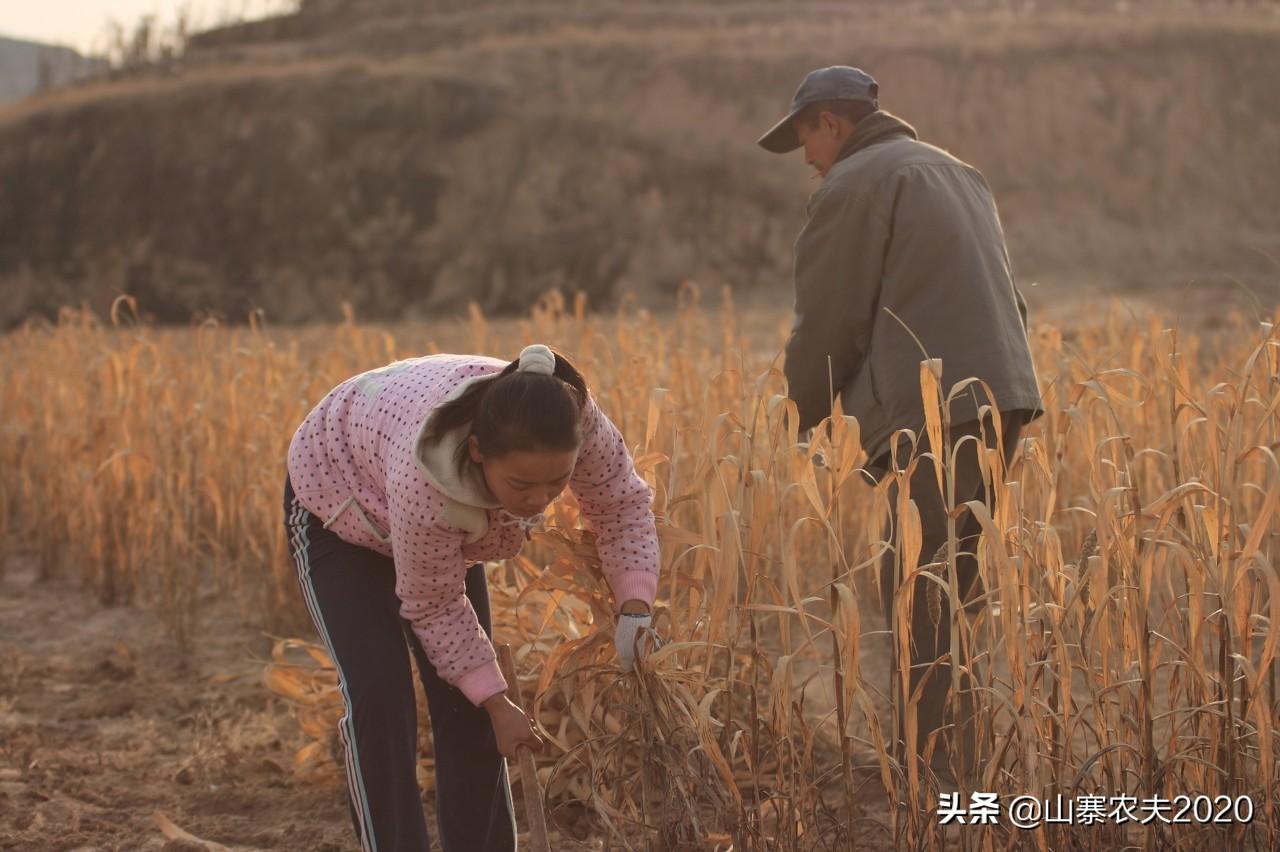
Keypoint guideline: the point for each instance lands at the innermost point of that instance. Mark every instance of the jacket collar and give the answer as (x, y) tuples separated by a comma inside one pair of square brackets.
[(438, 461), (877, 127)]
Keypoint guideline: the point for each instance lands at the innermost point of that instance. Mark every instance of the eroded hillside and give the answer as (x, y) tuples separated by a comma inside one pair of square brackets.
[(409, 163)]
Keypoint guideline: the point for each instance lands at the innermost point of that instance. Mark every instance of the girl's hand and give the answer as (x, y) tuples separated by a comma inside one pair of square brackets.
[(512, 727), (633, 621)]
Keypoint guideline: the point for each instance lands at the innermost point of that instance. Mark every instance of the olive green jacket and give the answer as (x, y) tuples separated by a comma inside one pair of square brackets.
[(901, 228)]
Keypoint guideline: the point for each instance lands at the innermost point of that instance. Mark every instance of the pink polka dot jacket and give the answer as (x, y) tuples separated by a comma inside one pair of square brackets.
[(358, 463)]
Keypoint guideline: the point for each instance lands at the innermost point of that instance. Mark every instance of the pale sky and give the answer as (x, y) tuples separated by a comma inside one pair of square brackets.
[(82, 24)]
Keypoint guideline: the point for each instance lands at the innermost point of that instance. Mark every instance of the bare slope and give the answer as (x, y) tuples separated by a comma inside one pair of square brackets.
[(410, 164)]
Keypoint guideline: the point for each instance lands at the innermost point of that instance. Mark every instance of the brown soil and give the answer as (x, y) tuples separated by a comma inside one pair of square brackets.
[(103, 722)]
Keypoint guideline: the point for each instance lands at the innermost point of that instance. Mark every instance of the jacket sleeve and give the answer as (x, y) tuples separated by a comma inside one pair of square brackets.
[(839, 259), (617, 504), (431, 586)]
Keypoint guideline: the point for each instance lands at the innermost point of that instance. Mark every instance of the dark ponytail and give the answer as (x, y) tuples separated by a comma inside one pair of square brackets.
[(517, 410)]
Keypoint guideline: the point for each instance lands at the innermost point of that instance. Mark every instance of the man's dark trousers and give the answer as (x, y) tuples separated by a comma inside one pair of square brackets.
[(930, 640)]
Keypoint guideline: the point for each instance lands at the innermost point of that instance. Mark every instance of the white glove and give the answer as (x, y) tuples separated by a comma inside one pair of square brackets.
[(631, 626)]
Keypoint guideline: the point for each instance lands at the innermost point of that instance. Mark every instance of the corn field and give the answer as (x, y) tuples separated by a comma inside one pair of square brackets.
[(1127, 647)]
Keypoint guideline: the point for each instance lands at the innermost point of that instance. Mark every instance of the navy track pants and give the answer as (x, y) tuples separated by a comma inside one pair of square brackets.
[(350, 593)]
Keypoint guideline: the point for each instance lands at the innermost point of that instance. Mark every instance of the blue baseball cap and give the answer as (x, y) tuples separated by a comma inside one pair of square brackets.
[(839, 82)]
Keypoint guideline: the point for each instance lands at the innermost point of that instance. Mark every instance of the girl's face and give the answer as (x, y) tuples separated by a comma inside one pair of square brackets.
[(525, 482)]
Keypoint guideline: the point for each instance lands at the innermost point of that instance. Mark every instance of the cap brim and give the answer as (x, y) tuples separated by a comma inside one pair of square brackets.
[(781, 138)]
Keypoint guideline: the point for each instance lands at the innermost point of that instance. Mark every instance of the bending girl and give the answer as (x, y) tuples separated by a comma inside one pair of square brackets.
[(400, 479)]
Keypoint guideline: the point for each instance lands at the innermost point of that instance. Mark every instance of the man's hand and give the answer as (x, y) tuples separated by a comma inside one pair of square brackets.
[(512, 727), (806, 439)]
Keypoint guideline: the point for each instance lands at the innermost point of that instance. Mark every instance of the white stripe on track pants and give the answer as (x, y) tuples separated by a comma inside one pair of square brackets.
[(350, 593)]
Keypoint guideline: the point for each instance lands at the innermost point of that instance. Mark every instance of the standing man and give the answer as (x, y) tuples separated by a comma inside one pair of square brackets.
[(903, 243)]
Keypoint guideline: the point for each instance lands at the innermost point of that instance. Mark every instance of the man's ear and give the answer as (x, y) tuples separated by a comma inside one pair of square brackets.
[(836, 125), (473, 449)]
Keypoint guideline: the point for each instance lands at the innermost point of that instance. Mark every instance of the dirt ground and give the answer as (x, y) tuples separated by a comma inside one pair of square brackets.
[(108, 730), (104, 723)]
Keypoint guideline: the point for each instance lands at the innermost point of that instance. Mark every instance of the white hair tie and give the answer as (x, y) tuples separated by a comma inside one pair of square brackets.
[(537, 359)]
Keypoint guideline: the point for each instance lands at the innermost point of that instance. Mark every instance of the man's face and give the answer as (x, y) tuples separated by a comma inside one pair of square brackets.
[(822, 140)]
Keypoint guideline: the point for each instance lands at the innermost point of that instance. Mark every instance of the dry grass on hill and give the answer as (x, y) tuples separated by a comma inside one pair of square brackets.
[(415, 163)]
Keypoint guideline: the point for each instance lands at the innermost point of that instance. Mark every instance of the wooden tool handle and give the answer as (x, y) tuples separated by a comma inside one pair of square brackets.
[(533, 814)]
